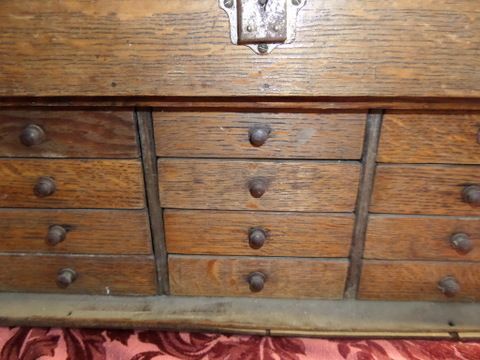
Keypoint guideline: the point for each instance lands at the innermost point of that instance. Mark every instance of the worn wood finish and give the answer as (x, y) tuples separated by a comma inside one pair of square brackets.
[(424, 189), (292, 185), (79, 183), (227, 233), (430, 138), (417, 280), (88, 231), (284, 278), (77, 134), (102, 275), (304, 136)]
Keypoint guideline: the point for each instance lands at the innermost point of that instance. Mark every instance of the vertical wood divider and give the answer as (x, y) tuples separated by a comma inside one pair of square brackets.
[(149, 160), (369, 158)]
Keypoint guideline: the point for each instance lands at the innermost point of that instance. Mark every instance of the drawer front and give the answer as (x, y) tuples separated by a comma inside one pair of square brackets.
[(93, 275), (75, 231), (423, 189), (58, 134), (286, 185), (430, 138), (282, 278), (306, 136), (71, 183), (257, 233), (419, 280), (429, 238)]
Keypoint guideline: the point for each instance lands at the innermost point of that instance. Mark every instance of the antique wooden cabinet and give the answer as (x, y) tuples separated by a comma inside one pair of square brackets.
[(268, 166)]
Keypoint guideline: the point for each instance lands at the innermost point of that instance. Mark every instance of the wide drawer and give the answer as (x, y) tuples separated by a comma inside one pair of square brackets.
[(75, 231), (287, 185), (425, 237), (72, 183), (77, 134), (102, 275), (420, 280), (259, 135), (258, 233), (425, 189), (232, 276)]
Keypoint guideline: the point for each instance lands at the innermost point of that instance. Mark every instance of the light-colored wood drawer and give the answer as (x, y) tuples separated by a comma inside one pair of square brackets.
[(424, 189), (259, 135), (227, 184), (419, 280), (283, 278), (77, 183), (74, 134), (102, 275), (430, 138), (75, 231), (258, 233), (423, 237)]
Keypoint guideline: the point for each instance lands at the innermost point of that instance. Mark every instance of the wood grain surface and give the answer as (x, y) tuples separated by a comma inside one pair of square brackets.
[(101, 275), (285, 278), (177, 48), (424, 189), (288, 234), (417, 280), (80, 183), (304, 136), (88, 231), (292, 185), (430, 138)]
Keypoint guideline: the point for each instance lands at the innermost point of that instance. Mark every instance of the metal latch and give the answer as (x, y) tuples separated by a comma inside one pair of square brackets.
[(262, 25)]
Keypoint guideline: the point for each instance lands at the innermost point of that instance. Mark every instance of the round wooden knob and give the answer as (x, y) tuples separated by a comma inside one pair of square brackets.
[(257, 187), (32, 135), (449, 286), (66, 277), (45, 186), (257, 238), (259, 135), (256, 281), (471, 194), (462, 243), (56, 234)]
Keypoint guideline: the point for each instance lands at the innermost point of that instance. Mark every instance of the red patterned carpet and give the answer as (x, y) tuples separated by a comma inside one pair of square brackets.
[(36, 343)]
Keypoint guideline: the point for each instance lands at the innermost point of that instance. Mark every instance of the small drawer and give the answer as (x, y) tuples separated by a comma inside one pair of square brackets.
[(430, 138), (258, 233), (259, 135), (71, 184), (260, 277), (425, 189), (93, 275), (258, 185), (75, 231), (420, 280), (74, 134), (423, 237)]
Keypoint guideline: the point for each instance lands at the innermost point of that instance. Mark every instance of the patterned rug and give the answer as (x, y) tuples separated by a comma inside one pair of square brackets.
[(82, 344)]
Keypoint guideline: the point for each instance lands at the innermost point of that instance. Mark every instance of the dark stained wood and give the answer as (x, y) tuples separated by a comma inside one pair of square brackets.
[(79, 183), (102, 275), (305, 136), (224, 185), (284, 278), (227, 233)]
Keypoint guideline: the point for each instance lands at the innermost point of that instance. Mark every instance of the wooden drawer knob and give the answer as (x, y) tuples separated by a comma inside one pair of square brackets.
[(449, 286), (256, 281), (462, 243), (471, 194), (257, 238), (44, 187), (66, 277), (56, 234), (32, 135), (257, 187), (259, 135)]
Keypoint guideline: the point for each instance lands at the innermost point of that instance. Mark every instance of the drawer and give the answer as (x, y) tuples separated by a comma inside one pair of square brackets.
[(75, 231), (258, 233), (102, 275), (424, 189), (425, 237), (430, 138), (77, 134), (71, 183), (420, 280), (259, 135), (262, 277), (275, 185)]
